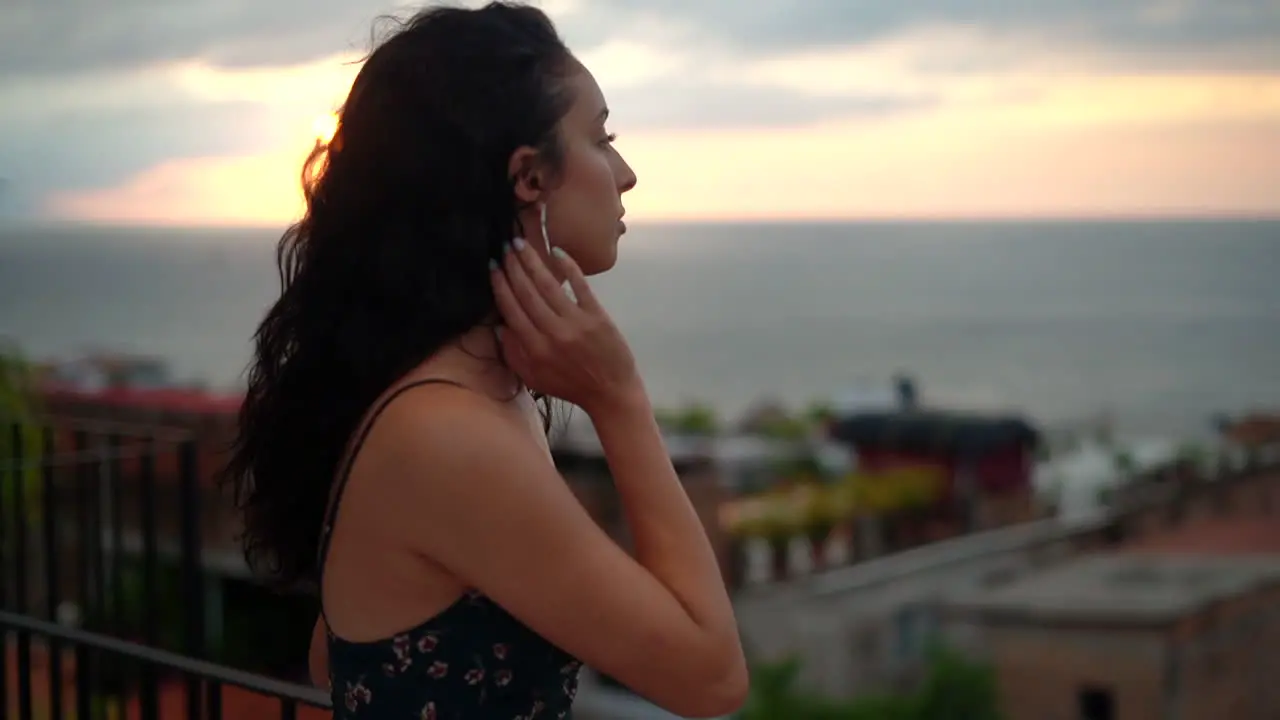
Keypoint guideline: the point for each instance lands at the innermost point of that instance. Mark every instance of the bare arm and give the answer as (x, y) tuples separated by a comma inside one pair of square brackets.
[(318, 655), (484, 502), (670, 541)]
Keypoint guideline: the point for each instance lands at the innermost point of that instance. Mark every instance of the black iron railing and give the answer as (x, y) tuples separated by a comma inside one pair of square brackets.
[(109, 605)]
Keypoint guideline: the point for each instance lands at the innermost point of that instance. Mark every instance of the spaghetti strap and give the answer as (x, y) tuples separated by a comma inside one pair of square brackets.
[(331, 514)]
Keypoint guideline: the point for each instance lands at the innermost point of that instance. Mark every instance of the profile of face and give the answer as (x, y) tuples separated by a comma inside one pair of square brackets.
[(583, 196)]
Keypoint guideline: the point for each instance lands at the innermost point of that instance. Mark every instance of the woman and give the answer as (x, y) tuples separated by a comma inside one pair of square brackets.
[(390, 449)]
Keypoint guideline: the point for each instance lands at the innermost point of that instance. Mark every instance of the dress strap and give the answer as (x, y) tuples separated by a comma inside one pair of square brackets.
[(331, 514)]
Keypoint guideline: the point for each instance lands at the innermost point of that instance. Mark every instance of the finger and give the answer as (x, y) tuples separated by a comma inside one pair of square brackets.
[(527, 295), (509, 306), (577, 281), (548, 287)]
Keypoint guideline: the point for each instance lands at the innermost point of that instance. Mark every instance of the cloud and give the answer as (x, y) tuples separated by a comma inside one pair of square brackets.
[(961, 164), (99, 129), (686, 104), (1128, 146), (651, 88), (77, 150), (75, 35), (965, 163), (1236, 34), (147, 98), (249, 190), (71, 36)]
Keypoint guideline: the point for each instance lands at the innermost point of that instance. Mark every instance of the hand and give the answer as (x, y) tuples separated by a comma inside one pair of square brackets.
[(558, 347)]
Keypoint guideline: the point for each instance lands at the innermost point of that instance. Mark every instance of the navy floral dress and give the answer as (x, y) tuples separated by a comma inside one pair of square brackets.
[(471, 661)]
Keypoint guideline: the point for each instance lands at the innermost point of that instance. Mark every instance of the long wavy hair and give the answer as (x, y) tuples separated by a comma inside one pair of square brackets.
[(405, 206)]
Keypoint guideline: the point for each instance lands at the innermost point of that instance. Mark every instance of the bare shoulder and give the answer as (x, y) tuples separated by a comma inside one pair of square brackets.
[(490, 507)]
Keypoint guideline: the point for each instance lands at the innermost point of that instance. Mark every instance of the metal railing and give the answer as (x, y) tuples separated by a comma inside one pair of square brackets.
[(91, 628)]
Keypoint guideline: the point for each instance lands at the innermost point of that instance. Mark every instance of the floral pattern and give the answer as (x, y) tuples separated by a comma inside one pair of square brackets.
[(473, 660)]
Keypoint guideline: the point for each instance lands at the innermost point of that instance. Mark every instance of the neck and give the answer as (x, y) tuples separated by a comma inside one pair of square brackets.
[(476, 357)]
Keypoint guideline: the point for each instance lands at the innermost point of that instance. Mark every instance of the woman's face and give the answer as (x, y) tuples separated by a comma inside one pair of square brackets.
[(584, 202)]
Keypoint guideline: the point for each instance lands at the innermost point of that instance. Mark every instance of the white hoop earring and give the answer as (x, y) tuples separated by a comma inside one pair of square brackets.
[(542, 219)]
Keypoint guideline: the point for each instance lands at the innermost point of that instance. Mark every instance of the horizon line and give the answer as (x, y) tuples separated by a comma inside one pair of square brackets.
[(948, 219)]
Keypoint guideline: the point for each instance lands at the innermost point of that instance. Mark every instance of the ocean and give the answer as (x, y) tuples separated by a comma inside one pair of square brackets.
[(1159, 325)]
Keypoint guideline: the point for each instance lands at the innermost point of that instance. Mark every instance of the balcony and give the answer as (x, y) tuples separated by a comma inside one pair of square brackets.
[(121, 595)]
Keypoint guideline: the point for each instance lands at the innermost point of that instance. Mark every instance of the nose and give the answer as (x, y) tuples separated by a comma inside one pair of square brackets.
[(626, 177)]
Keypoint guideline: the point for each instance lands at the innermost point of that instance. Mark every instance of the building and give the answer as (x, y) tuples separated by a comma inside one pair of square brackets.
[(1134, 636), (865, 627), (1176, 618), (987, 461), (1252, 438)]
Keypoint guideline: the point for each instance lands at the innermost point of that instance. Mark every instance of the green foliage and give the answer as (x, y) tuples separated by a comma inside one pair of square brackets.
[(18, 408), (1124, 462), (785, 428), (819, 412), (954, 688), (799, 466), (694, 419)]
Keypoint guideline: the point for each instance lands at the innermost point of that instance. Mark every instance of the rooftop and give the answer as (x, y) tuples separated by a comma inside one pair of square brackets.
[(1218, 536), (1133, 589), (1254, 430), (163, 399), (934, 431)]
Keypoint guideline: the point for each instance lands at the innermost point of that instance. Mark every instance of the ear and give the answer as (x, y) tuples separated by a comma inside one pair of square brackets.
[(526, 175)]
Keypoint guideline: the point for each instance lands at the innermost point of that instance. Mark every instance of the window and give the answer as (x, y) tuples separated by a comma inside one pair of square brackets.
[(914, 629), (1096, 703)]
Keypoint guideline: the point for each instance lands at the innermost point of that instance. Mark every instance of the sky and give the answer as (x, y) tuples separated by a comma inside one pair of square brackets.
[(201, 112)]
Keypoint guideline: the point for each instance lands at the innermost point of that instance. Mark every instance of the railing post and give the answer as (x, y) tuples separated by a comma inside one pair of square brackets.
[(52, 567), (37, 520), (5, 523), (150, 689), (192, 572), (84, 583), (17, 476)]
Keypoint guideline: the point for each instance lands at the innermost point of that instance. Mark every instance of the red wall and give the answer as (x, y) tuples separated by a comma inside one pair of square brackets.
[(997, 472)]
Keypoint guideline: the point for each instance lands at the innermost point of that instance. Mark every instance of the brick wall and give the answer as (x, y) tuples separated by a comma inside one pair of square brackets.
[(1040, 672)]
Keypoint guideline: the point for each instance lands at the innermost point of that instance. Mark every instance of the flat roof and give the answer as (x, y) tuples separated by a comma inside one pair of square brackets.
[(1258, 535), (1128, 588)]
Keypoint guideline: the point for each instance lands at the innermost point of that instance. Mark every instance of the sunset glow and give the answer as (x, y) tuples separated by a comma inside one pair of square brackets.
[(1045, 136), (324, 127)]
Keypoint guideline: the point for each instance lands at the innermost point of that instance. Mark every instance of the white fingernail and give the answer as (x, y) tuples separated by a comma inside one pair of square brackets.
[(559, 253)]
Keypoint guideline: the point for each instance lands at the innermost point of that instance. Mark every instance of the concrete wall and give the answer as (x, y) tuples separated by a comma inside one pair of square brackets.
[(1216, 664), (865, 627)]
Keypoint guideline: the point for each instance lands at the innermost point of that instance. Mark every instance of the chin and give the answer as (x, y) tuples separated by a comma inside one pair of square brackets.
[(597, 260), (596, 268)]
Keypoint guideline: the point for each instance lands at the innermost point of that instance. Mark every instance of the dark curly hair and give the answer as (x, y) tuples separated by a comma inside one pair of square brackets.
[(406, 205)]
